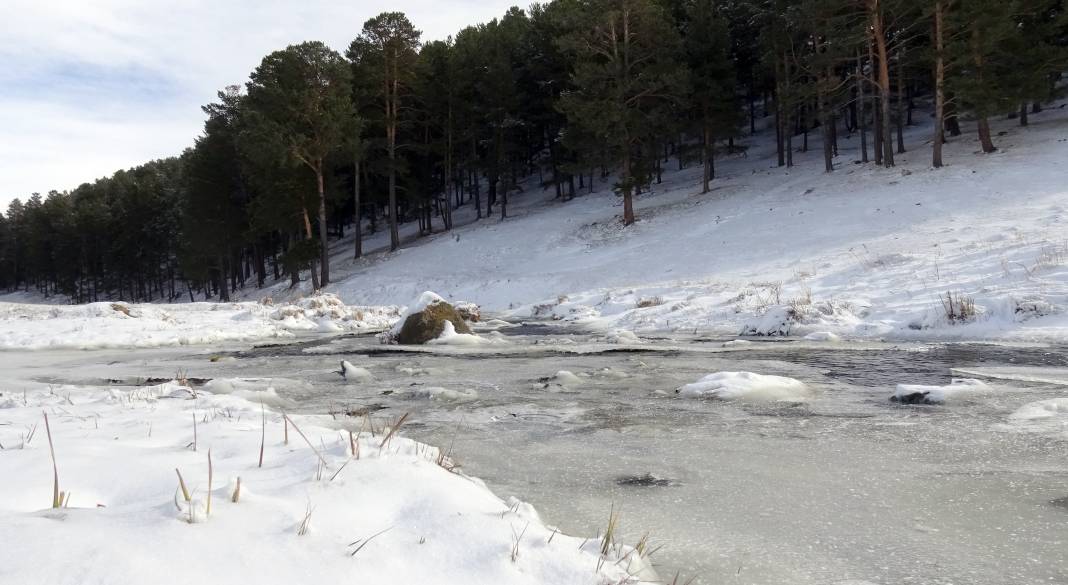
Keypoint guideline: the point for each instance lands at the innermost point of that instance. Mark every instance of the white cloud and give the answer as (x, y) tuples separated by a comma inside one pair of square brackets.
[(92, 86)]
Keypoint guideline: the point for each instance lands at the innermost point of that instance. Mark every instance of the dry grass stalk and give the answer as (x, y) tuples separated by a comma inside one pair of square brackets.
[(306, 522), (194, 429), (359, 544), (303, 436), (393, 428), (237, 491), (516, 539), (57, 497), (285, 437), (181, 484), (207, 511), (958, 308), (263, 432), (354, 445)]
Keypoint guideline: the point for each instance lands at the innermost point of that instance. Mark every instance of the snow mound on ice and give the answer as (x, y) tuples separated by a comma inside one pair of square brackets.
[(921, 394), (355, 373), (258, 390), (746, 386), (623, 337), (822, 336), (449, 336), (1045, 417), (438, 393), (567, 378)]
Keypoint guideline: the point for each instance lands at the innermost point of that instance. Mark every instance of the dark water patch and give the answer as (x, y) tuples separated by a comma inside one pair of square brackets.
[(645, 480)]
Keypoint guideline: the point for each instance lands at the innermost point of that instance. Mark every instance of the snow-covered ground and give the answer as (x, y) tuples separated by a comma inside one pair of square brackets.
[(111, 325), (863, 252), (338, 502)]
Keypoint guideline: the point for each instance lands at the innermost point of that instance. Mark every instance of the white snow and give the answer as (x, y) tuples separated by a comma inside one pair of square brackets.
[(1044, 416), (746, 386), (822, 336), (438, 393), (863, 252), (449, 336), (118, 325), (918, 393), (568, 378), (355, 373), (408, 519)]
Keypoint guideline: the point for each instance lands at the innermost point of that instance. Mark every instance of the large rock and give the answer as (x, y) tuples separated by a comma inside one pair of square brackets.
[(426, 324)]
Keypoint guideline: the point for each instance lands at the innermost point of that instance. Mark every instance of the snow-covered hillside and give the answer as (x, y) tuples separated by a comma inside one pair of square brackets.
[(862, 252)]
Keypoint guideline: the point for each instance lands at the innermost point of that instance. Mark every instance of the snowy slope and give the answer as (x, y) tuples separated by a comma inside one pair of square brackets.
[(862, 252)]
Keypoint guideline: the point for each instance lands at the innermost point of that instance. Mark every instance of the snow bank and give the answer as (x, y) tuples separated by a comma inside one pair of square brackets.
[(409, 520), (920, 394), (117, 325), (746, 386)]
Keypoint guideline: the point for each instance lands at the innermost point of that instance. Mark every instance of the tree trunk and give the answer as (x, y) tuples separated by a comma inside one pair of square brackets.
[(357, 228), (939, 82), (706, 157), (983, 126), (875, 13), (982, 121), (309, 236), (900, 101), (1023, 113), (324, 248), (862, 110)]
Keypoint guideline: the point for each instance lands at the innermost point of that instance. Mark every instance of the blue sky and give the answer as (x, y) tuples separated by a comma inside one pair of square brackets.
[(91, 86)]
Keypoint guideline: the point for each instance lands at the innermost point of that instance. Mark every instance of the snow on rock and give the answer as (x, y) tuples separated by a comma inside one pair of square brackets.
[(355, 373), (921, 394), (746, 386), (117, 325), (117, 451)]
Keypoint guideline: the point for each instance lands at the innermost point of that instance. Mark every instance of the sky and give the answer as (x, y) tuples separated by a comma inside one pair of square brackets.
[(88, 87)]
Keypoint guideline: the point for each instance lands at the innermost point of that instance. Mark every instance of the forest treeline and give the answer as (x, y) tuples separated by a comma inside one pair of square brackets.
[(319, 143)]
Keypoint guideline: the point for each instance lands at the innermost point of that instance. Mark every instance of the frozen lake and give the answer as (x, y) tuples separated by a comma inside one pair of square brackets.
[(846, 487)]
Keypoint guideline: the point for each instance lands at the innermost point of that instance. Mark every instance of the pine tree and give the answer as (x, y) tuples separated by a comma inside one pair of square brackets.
[(627, 71), (385, 53), (300, 99)]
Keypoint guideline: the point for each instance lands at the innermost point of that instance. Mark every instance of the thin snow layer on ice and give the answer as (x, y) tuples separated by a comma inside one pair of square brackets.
[(924, 394), (863, 252), (746, 386), (110, 325), (1045, 416), (390, 515), (822, 336)]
